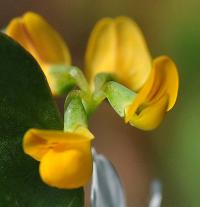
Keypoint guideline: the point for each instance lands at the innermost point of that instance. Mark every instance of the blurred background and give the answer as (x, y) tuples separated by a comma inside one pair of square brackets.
[(171, 152)]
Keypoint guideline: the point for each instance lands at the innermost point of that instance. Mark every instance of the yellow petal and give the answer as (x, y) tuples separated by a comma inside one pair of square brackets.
[(39, 38), (133, 61), (101, 49), (66, 169), (163, 80), (65, 157), (47, 42), (117, 46), (17, 31), (141, 97), (37, 143), (82, 131), (151, 116), (166, 80)]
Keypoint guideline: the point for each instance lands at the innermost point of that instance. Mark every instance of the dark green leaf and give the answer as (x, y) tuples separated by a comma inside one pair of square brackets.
[(25, 102)]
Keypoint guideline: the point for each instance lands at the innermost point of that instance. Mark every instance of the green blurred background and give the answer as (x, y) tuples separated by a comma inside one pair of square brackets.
[(170, 153)]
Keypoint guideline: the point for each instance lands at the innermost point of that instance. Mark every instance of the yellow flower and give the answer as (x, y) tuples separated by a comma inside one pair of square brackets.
[(117, 46), (65, 157), (157, 96), (41, 40)]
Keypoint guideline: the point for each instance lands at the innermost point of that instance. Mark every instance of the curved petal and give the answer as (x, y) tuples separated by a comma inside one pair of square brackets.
[(16, 30), (47, 42), (166, 80), (162, 81), (100, 54), (133, 61), (141, 97), (118, 46), (66, 169), (37, 143), (151, 116), (42, 41), (39, 38)]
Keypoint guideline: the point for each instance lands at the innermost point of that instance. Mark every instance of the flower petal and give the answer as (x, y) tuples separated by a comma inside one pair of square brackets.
[(16, 30), (162, 81), (141, 97), (37, 142), (101, 49), (65, 157), (166, 80), (43, 42), (66, 169), (133, 61), (39, 38), (151, 116), (117, 46), (47, 42)]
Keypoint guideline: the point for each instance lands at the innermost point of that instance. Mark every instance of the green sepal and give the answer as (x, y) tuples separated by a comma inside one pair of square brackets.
[(119, 96), (26, 102), (64, 77), (79, 77), (74, 112), (61, 80), (100, 80)]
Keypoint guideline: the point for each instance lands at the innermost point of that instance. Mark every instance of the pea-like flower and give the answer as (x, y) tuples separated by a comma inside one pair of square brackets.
[(117, 46), (65, 157), (41, 40)]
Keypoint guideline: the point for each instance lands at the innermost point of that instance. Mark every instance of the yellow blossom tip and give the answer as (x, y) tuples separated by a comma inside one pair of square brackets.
[(40, 39), (117, 46)]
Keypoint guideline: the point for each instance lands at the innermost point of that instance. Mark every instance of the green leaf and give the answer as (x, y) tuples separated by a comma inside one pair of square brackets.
[(25, 102)]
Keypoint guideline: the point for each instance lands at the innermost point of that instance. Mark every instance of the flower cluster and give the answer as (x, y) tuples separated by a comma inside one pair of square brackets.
[(118, 67)]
